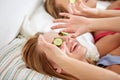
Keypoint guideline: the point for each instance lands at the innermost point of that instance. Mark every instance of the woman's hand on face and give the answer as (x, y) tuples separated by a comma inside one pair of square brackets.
[(73, 24), (82, 10), (52, 51)]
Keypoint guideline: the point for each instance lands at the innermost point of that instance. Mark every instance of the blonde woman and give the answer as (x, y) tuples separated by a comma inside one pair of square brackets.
[(36, 59), (35, 56)]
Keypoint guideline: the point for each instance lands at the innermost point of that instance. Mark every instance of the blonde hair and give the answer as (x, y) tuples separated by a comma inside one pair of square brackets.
[(36, 59), (53, 9)]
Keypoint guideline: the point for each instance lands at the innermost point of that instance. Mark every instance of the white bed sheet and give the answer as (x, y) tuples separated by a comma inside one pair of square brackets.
[(12, 13)]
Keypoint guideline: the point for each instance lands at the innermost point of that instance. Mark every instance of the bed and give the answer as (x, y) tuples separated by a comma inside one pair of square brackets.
[(25, 23)]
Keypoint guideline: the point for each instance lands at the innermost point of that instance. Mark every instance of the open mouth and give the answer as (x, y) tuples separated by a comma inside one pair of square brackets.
[(74, 47)]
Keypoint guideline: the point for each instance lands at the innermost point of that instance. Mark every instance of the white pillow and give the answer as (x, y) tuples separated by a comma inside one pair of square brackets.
[(12, 13), (103, 4), (40, 21)]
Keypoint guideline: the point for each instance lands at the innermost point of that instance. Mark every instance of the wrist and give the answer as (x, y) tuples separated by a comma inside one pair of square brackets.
[(100, 13), (93, 25)]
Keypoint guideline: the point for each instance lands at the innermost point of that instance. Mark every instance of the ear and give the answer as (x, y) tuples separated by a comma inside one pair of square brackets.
[(58, 69)]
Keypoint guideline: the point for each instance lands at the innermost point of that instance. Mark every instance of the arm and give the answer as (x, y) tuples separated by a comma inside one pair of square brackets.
[(85, 71), (79, 25), (81, 9), (108, 13), (109, 24), (81, 70)]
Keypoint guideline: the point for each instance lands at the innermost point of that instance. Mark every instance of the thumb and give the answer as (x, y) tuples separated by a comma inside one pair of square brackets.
[(70, 8), (63, 47)]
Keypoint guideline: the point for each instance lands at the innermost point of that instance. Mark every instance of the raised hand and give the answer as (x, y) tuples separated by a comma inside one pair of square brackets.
[(79, 8), (52, 51), (73, 24)]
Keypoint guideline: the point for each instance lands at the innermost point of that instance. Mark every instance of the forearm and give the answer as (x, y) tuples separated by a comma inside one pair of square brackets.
[(109, 24), (85, 71), (108, 13)]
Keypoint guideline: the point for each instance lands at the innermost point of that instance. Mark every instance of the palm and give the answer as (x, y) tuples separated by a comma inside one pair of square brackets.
[(82, 10), (74, 24)]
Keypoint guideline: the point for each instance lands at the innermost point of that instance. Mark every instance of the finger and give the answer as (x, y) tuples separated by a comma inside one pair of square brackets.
[(70, 8), (78, 1), (60, 20), (75, 11), (83, 6), (64, 47), (76, 34), (72, 35), (41, 39), (68, 15), (59, 26), (68, 30), (42, 42), (47, 47)]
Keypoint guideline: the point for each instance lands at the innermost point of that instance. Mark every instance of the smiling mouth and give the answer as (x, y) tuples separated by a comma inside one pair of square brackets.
[(75, 47)]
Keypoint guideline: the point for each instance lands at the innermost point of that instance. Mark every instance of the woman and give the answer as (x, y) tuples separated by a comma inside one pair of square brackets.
[(82, 71), (35, 58), (54, 7), (39, 61)]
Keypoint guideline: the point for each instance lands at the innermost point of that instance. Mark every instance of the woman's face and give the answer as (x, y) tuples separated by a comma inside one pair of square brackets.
[(74, 48), (64, 3)]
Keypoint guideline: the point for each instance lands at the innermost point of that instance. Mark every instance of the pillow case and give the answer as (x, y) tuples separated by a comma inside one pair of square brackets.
[(12, 13), (12, 66), (103, 4), (40, 21)]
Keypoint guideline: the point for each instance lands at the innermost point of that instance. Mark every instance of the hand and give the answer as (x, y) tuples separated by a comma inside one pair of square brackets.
[(52, 51), (81, 9), (74, 24)]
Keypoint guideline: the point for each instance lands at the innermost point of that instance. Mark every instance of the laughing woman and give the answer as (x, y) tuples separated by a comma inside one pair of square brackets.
[(48, 59)]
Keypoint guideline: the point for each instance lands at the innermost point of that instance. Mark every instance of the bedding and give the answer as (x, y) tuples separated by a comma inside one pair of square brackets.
[(12, 13), (12, 66), (102, 4)]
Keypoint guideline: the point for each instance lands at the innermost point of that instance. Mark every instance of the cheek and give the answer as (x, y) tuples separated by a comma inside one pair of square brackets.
[(80, 54)]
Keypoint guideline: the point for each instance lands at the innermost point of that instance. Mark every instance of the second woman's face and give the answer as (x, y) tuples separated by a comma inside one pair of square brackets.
[(74, 48), (64, 3)]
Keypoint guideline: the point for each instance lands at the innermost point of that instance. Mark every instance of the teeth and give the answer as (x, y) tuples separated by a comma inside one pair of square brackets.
[(74, 46)]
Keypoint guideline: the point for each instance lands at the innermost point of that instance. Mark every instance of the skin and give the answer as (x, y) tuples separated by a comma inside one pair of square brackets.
[(65, 3), (69, 64), (74, 23), (105, 41), (79, 52), (70, 46)]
